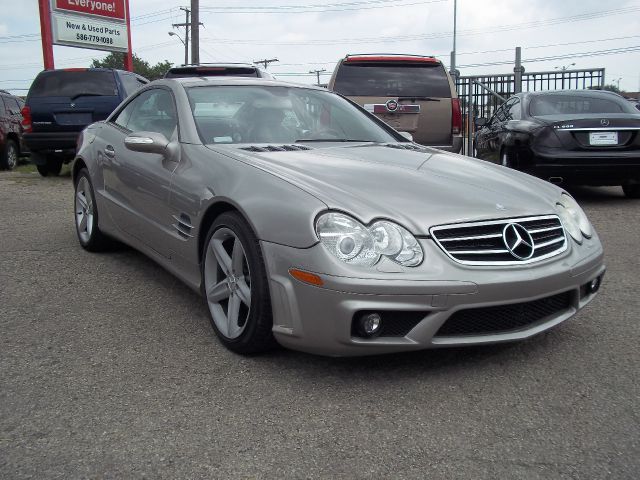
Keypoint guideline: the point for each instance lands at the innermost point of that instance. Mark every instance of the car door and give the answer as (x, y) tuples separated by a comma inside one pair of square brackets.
[(138, 184)]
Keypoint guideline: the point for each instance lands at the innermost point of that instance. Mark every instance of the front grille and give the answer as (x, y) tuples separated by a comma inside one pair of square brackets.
[(504, 318), (488, 243)]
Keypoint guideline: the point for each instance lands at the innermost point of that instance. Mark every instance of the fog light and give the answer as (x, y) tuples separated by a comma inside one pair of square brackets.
[(370, 324), (594, 285)]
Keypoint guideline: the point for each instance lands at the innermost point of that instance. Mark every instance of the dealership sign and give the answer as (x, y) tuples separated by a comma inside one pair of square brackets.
[(95, 24)]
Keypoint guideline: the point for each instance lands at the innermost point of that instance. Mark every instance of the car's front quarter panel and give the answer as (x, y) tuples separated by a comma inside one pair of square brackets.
[(277, 211)]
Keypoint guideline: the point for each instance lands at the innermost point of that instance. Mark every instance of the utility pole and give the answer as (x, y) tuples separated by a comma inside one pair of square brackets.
[(266, 62), (195, 32), (318, 72), (186, 26), (453, 70), (518, 70)]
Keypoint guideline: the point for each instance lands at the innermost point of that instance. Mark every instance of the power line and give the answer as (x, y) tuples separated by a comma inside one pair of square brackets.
[(595, 53), (430, 36), (338, 7)]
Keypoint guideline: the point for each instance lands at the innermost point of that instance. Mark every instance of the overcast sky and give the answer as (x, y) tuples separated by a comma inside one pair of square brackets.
[(310, 34)]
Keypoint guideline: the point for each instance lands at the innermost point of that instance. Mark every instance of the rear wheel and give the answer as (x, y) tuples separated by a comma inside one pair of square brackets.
[(86, 215), (631, 190), (9, 156), (235, 286), (52, 167)]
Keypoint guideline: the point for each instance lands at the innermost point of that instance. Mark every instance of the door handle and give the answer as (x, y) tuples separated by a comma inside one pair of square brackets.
[(109, 151)]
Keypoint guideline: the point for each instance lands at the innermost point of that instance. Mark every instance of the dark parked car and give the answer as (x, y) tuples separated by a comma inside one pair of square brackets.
[(11, 146), (582, 137), (218, 70), (60, 103)]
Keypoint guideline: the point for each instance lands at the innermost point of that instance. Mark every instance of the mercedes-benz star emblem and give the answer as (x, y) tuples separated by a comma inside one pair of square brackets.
[(604, 122), (392, 105), (518, 241)]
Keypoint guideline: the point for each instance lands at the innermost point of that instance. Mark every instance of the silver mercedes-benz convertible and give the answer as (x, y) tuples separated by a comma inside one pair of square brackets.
[(307, 222)]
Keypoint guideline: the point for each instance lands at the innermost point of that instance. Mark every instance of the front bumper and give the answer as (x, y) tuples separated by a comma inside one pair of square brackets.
[(319, 319)]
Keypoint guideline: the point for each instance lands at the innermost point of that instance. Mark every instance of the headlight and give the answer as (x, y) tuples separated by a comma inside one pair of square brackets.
[(356, 244), (573, 218)]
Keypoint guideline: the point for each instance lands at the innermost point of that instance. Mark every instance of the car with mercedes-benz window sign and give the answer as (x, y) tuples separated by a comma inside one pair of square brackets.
[(306, 222)]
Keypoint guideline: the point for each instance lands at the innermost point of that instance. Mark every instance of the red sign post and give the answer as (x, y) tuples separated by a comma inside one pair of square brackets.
[(95, 24), (45, 33)]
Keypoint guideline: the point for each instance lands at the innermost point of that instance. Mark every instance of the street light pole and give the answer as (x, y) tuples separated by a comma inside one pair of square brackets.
[(186, 26), (186, 48)]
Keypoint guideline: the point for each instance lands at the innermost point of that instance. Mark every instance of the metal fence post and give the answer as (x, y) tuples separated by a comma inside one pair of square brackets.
[(518, 70), (470, 119)]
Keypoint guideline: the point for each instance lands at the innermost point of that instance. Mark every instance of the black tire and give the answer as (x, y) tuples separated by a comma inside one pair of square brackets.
[(631, 190), (51, 168), (9, 156), (256, 336), (91, 239)]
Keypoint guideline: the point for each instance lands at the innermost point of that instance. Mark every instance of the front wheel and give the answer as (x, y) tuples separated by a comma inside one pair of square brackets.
[(631, 190), (235, 286), (86, 215)]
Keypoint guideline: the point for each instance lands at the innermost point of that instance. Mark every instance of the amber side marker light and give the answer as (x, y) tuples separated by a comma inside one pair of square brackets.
[(306, 277)]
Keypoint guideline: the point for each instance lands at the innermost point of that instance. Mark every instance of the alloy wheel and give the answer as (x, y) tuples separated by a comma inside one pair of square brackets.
[(84, 210), (227, 283), (12, 156)]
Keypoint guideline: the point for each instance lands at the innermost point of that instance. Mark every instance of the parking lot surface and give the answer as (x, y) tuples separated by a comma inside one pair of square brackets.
[(109, 368)]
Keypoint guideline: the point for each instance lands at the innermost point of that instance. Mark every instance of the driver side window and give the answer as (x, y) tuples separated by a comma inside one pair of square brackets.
[(151, 111)]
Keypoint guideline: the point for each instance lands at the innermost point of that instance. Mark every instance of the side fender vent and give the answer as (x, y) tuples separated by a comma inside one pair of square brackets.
[(276, 148), (183, 225), (405, 146)]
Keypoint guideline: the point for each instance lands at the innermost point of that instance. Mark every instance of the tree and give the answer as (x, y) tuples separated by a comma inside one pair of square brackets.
[(140, 66), (611, 88)]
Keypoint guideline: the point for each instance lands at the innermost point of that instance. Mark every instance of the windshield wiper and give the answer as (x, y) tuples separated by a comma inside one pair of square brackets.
[(300, 140)]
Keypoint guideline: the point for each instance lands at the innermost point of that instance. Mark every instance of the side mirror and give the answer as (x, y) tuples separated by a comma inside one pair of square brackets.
[(147, 142), (407, 135), (480, 122)]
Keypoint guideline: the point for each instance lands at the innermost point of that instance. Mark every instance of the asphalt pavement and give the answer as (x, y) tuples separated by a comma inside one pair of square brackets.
[(109, 368)]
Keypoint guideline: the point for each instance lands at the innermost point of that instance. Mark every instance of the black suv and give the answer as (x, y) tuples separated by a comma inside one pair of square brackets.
[(11, 146), (61, 103)]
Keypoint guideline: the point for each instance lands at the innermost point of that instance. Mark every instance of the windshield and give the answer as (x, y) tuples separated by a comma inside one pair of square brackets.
[(373, 79), (575, 104), (277, 114), (64, 83)]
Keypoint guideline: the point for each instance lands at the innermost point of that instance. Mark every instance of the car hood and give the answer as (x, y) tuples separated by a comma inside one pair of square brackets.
[(418, 189)]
